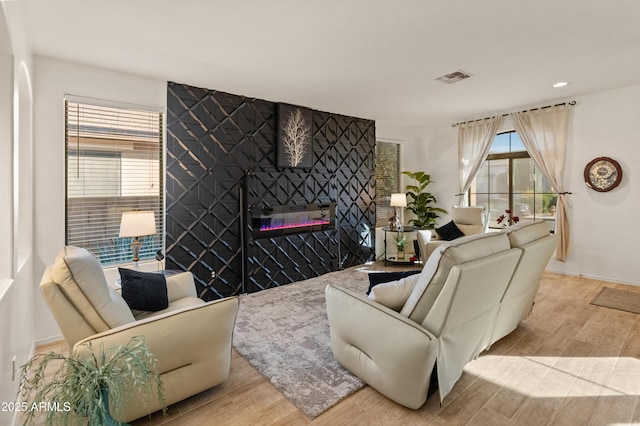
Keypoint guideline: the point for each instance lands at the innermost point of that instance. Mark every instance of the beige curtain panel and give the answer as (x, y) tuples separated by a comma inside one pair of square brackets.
[(474, 142), (544, 134)]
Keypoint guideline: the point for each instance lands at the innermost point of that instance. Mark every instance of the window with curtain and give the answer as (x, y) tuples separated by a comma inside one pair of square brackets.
[(113, 165), (509, 179), (387, 179)]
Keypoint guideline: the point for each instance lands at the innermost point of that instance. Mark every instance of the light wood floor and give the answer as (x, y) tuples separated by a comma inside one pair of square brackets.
[(569, 363)]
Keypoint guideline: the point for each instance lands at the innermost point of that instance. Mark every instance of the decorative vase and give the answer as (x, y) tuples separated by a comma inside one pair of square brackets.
[(400, 255), (108, 420)]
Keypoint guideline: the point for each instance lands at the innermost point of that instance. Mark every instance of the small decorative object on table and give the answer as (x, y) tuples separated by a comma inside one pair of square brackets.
[(397, 200), (507, 219), (400, 243)]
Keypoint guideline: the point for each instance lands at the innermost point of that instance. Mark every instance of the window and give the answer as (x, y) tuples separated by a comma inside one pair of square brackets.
[(113, 165), (387, 179), (509, 179)]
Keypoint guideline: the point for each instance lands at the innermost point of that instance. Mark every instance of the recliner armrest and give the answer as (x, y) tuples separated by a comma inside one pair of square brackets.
[(390, 352), (181, 285), (192, 347), (175, 338)]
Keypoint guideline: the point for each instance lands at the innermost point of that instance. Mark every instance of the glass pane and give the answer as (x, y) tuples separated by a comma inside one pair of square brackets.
[(480, 200), (542, 184), (481, 183), (497, 205), (516, 143), (500, 144), (114, 159), (387, 177), (523, 206), (499, 177), (548, 204), (523, 175)]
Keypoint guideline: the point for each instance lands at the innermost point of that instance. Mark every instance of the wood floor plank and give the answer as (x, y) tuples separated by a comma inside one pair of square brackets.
[(568, 363)]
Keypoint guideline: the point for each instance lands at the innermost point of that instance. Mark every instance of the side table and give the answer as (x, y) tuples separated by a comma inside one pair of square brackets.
[(400, 230)]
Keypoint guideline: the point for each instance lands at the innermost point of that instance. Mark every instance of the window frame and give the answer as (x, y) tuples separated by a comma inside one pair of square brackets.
[(510, 157), (382, 201), (115, 200)]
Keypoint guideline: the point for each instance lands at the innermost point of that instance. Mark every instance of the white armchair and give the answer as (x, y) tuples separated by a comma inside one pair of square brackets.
[(470, 220), (190, 339)]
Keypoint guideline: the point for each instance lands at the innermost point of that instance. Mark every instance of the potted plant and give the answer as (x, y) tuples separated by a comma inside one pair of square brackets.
[(419, 201), (400, 243), (78, 389), (507, 219)]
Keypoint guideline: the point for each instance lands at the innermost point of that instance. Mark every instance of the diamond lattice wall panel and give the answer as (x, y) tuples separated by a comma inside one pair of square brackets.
[(221, 163)]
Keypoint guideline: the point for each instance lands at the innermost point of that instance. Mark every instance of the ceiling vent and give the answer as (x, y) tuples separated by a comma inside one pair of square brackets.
[(454, 77)]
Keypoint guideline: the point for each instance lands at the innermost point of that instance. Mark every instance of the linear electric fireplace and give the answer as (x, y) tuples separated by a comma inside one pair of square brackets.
[(274, 221)]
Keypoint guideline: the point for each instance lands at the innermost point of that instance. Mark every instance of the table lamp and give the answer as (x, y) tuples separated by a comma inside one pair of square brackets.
[(137, 224), (398, 200)]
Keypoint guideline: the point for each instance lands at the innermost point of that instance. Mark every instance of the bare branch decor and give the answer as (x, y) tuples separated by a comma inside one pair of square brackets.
[(294, 137)]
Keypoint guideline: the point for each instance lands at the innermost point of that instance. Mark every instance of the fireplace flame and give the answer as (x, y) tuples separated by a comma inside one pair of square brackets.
[(312, 222)]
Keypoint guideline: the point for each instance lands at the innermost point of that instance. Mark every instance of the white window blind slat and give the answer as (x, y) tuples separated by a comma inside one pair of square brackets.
[(387, 180), (113, 165)]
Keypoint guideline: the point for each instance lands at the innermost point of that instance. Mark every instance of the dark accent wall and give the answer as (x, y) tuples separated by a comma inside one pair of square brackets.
[(221, 163)]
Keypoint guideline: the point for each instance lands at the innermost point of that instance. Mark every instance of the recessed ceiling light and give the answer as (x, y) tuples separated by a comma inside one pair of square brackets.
[(560, 84)]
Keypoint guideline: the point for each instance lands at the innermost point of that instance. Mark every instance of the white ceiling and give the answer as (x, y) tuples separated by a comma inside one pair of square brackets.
[(375, 59)]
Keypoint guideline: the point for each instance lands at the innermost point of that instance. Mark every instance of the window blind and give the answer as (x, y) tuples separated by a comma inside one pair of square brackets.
[(387, 180), (113, 164)]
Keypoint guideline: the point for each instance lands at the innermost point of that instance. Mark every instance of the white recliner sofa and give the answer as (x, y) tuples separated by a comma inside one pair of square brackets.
[(537, 247), (191, 339), (470, 220), (455, 308)]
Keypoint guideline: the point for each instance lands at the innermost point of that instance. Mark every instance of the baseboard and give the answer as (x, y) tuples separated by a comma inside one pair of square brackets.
[(592, 277)]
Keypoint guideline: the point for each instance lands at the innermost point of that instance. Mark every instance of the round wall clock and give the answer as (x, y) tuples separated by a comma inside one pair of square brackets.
[(602, 174)]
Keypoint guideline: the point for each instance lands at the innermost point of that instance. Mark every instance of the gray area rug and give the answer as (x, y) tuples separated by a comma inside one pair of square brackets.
[(284, 333), (618, 299)]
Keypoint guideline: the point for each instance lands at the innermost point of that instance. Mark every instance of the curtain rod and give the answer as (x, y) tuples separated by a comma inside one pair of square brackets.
[(527, 110)]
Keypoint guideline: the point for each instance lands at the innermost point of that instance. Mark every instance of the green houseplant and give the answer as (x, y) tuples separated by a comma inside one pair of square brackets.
[(419, 201), (401, 241), (78, 390)]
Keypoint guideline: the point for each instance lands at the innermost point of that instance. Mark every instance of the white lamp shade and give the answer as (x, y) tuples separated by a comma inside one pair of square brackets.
[(137, 224), (398, 200)]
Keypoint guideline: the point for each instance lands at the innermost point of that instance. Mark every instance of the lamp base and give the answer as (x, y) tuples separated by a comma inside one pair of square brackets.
[(135, 249)]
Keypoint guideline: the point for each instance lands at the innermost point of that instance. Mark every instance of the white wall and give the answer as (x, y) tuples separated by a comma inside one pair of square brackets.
[(53, 80), (423, 149), (16, 217), (604, 233), (604, 229)]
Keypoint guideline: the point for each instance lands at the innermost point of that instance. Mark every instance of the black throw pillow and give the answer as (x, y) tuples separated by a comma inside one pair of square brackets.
[(449, 232), (376, 278), (144, 291)]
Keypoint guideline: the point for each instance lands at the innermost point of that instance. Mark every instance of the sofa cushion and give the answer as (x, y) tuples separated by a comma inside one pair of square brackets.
[(184, 302), (470, 229), (525, 233), (80, 277), (394, 294), (436, 270), (449, 232), (376, 278), (472, 215), (144, 291)]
